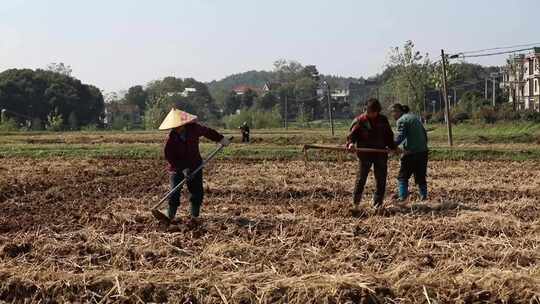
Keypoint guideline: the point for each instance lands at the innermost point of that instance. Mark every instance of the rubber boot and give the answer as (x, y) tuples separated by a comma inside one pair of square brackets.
[(195, 208), (377, 201), (171, 211), (403, 190), (423, 192)]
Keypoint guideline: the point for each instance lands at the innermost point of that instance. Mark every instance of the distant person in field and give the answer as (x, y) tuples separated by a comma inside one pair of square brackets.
[(371, 130), (413, 136), (244, 129), (183, 156)]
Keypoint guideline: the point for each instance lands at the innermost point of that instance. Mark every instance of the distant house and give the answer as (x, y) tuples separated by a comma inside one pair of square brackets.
[(341, 103), (185, 93), (340, 96), (521, 78), (122, 113), (270, 86), (242, 89), (188, 91)]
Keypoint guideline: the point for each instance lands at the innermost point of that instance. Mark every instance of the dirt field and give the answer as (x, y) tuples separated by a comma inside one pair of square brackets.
[(80, 230)]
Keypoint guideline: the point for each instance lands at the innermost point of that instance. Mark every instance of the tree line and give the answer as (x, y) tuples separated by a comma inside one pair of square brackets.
[(51, 98), (38, 99)]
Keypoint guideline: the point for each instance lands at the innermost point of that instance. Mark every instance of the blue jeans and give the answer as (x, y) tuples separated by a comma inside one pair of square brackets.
[(196, 190)]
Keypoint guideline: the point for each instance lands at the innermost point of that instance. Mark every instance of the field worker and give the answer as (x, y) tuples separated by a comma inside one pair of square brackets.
[(371, 130), (244, 128), (413, 136), (182, 153)]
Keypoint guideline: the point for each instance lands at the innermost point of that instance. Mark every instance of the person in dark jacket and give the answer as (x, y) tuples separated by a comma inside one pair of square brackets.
[(244, 129), (413, 136), (371, 130), (183, 156)]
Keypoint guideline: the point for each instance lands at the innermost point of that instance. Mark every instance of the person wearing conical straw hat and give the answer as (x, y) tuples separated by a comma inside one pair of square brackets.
[(182, 153)]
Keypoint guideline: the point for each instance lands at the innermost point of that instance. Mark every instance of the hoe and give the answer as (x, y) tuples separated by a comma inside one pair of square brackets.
[(187, 176), (341, 149)]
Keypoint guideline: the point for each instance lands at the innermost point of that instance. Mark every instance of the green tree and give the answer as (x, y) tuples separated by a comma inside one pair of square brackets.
[(410, 75), (307, 102), (137, 95), (248, 98), (199, 102), (232, 103), (266, 102), (287, 70), (35, 94), (156, 110), (60, 68)]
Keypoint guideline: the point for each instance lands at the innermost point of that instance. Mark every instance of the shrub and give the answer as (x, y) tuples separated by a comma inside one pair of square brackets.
[(121, 124), (486, 114), (428, 116), (507, 113), (73, 122), (37, 124), (256, 119), (438, 117), (460, 117), (55, 122), (89, 128), (8, 125), (531, 116)]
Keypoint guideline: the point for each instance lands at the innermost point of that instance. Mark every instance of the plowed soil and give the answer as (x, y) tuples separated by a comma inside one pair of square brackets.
[(272, 232)]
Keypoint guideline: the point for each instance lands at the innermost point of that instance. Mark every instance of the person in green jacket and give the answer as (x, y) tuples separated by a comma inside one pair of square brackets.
[(412, 135)]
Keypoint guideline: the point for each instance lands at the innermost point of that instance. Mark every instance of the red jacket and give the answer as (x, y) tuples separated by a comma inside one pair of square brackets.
[(182, 150), (371, 133)]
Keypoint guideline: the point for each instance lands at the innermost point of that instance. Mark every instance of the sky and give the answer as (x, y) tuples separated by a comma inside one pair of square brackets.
[(115, 44)]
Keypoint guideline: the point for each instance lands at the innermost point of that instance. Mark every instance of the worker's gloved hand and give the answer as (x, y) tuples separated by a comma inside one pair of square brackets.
[(350, 146), (225, 142)]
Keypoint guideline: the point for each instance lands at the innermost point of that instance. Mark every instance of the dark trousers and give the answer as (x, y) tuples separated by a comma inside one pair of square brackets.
[(245, 137), (379, 162), (414, 164), (196, 190)]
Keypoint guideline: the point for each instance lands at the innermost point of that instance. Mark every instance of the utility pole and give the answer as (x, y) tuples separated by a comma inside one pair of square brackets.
[(494, 94), (330, 116), (286, 113), (445, 96), (486, 89)]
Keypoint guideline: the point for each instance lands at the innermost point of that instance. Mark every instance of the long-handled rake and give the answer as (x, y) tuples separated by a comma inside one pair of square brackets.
[(341, 149), (187, 176)]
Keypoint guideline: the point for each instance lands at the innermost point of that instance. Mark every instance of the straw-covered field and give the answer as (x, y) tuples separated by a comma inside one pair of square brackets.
[(79, 230)]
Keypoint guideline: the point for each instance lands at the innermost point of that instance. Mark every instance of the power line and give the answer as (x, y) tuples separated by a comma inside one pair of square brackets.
[(493, 54), (500, 48)]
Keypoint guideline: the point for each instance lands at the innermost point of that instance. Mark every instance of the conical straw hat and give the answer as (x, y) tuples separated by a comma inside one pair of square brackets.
[(177, 118)]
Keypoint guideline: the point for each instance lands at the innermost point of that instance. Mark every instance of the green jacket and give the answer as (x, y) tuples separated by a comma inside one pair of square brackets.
[(411, 133)]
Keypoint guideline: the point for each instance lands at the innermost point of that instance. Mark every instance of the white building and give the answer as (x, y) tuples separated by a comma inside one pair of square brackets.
[(185, 93), (521, 77), (188, 91)]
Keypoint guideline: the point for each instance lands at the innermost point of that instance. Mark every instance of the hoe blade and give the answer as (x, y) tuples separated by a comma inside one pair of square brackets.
[(162, 218)]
